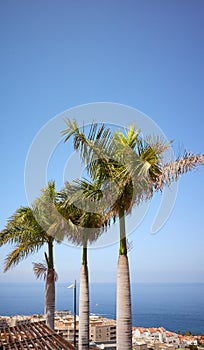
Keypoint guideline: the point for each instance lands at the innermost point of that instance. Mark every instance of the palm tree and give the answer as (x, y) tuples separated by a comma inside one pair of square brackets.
[(24, 230), (87, 227), (137, 167)]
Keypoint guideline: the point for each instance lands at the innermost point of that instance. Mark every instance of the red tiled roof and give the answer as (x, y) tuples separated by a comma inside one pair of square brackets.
[(34, 335)]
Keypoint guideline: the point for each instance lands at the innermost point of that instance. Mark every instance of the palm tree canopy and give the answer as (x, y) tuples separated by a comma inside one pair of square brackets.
[(87, 224), (136, 165), (138, 168), (24, 231), (122, 158)]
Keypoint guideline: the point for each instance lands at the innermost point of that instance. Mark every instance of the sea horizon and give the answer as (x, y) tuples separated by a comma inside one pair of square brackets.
[(176, 306)]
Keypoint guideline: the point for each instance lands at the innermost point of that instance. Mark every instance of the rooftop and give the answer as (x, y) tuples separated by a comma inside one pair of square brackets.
[(32, 336)]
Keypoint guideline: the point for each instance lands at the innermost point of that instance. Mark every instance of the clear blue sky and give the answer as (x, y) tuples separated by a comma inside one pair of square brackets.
[(146, 54)]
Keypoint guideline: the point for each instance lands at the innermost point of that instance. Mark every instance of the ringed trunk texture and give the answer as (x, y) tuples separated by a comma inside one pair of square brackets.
[(123, 311), (50, 298), (84, 309)]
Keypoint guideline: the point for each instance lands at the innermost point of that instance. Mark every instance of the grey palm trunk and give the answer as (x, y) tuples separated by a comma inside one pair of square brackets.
[(84, 304), (123, 311), (50, 298), (50, 287), (123, 297)]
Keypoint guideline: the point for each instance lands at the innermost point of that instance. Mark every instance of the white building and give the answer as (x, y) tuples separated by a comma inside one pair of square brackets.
[(187, 340), (172, 338), (151, 334)]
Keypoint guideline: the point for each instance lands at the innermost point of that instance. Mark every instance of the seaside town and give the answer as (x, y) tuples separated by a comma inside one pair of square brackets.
[(103, 332), (102, 156)]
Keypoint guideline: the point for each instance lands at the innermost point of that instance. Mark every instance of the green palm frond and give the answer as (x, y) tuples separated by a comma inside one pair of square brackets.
[(109, 158), (9, 235), (135, 164), (86, 222), (26, 228), (22, 225), (91, 147), (127, 137), (20, 252), (85, 195), (47, 213), (72, 130)]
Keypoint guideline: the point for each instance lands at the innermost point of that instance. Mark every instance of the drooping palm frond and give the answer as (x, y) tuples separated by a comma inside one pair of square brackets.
[(47, 213), (70, 214), (173, 170), (25, 230), (20, 225), (85, 225), (89, 196), (40, 271), (20, 252), (87, 188)]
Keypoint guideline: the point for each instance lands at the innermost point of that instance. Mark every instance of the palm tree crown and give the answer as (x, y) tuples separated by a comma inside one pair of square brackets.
[(137, 167), (25, 230)]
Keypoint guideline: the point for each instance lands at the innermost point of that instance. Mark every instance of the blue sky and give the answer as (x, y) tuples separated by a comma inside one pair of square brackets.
[(145, 54)]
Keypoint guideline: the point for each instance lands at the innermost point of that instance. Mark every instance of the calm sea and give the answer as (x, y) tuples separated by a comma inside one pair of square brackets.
[(173, 306)]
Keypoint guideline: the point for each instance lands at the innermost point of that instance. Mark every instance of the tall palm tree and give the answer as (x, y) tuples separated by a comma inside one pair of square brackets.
[(137, 167), (142, 163), (87, 228), (24, 230)]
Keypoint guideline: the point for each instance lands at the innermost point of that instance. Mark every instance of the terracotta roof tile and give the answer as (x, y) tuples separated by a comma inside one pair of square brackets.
[(34, 335)]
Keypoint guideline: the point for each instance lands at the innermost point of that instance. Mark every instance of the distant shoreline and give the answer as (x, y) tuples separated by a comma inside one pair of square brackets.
[(109, 283), (177, 306), (39, 317)]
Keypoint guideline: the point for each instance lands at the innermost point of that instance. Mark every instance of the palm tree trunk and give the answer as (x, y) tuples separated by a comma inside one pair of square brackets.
[(50, 298), (123, 311), (124, 316), (50, 287), (84, 304)]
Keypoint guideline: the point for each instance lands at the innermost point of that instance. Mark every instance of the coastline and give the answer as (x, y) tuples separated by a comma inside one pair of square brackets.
[(178, 306), (64, 322)]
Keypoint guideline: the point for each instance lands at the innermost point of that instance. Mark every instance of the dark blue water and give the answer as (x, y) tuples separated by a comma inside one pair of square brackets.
[(173, 306)]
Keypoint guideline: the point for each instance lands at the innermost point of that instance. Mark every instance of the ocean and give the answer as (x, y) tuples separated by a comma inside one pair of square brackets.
[(175, 306)]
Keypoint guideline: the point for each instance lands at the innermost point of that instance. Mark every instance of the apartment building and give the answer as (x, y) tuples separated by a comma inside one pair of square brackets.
[(102, 329), (65, 327)]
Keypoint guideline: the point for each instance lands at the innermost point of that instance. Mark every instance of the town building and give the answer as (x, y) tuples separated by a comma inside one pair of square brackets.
[(102, 329), (152, 334), (140, 346), (65, 327), (103, 332), (186, 340), (16, 320)]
